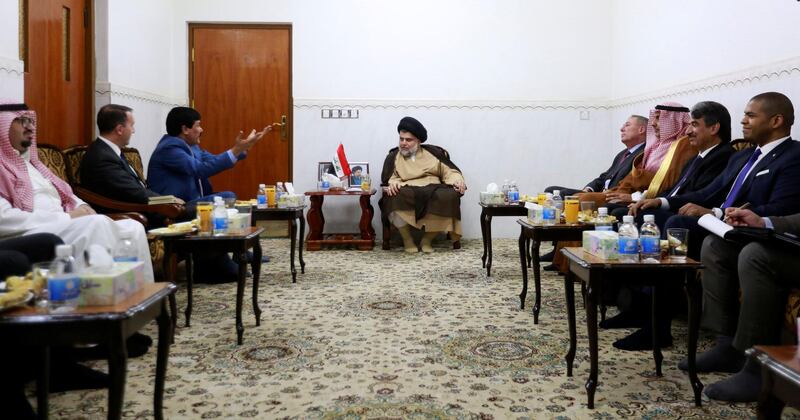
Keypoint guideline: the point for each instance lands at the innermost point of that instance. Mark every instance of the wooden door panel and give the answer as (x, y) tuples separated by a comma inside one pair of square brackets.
[(240, 80), (57, 76)]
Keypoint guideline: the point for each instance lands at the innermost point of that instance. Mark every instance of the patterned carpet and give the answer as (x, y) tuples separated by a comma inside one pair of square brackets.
[(369, 335)]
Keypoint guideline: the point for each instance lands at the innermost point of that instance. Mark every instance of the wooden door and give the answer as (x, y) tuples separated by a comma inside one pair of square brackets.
[(58, 69), (240, 79)]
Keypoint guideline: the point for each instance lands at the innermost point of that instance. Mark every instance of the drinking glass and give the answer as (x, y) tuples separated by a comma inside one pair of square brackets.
[(678, 243), (365, 182), (540, 199), (587, 211), (204, 209), (271, 196), (230, 202), (571, 205)]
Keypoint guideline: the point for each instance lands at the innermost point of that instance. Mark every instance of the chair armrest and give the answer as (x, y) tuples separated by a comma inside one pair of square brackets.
[(129, 215), (170, 211)]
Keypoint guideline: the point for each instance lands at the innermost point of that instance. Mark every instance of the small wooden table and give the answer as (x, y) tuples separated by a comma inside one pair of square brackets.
[(488, 211), (238, 244), (594, 272), (111, 325), (535, 234), (293, 214), (780, 372), (365, 240)]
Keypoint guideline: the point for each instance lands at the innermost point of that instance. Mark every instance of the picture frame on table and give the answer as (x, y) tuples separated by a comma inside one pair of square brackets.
[(357, 172)]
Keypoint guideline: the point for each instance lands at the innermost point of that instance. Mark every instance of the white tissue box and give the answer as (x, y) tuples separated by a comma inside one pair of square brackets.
[(492, 198), (602, 243), (238, 222), (112, 286), (291, 200)]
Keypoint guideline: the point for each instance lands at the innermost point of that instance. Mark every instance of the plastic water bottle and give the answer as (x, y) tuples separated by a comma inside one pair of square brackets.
[(261, 197), (650, 237), (628, 240), (504, 190), (549, 213), (558, 203), (126, 251), (603, 222), (220, 217), (64, 286), (513, 192)]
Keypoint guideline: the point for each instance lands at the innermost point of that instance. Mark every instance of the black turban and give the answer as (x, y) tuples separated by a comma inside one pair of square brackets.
[(414, 127)]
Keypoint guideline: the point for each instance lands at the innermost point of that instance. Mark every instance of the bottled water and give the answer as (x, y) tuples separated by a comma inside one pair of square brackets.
[(220, 216), (261, 197), (126, 251), (505, 189), (63, 286), (549, 213), (602, 222), (650, 237), (279, 191), (513, 192), (628, 240), (558, 203)]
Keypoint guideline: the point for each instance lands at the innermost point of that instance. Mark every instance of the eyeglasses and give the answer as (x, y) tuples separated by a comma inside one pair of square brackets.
[(25, 121)]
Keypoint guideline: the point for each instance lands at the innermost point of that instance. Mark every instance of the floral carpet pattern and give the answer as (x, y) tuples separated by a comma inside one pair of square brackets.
[(387, 335)]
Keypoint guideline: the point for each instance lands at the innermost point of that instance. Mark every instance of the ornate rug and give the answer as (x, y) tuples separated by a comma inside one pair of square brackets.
[(387, 335)]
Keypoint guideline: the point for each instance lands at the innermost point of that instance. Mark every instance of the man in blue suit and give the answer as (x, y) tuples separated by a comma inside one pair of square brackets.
[(181, 168)]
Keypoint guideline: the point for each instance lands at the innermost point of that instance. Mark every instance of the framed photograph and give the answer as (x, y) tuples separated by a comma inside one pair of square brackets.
[(357, 172), (325, 168)]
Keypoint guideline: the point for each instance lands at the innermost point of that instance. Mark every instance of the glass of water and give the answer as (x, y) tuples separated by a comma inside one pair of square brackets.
[(678, 243)]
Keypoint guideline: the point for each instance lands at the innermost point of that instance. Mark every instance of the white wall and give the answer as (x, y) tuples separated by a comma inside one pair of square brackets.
[(11, 68)]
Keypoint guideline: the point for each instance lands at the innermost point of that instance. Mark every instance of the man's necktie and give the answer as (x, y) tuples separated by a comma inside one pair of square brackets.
[(128, 165), (740, 179), (686, 175)]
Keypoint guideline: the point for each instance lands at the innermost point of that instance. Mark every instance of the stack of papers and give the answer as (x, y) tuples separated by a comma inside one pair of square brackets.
[(162, 199)]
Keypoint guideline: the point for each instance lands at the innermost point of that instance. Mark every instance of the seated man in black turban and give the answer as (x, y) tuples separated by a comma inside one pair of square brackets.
[(423, 188)]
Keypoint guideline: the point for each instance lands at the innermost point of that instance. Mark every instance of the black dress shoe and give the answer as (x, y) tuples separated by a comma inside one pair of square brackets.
[(547, 257), (550, 267), (72, 376), (642, 339), (625, 319)]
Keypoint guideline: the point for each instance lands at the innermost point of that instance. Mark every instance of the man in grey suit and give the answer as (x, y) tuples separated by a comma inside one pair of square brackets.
[(765, 272), (632, 134)]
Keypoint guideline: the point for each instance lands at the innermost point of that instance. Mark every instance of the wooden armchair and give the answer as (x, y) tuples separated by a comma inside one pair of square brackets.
[(52, 157), (387, 225), (74, 155)]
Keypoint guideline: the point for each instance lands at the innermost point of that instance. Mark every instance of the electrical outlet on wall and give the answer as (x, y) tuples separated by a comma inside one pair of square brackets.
[(339, 113), (584, 115)]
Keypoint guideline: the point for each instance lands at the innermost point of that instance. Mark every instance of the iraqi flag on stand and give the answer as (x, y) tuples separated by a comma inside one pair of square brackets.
[(340, 162)]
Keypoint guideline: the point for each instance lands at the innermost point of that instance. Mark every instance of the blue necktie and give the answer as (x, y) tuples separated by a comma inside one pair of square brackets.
[(740, 179), (689, 172)]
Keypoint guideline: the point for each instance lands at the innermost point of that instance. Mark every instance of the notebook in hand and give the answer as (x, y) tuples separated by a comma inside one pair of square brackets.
[(162, 199), (747, 234)]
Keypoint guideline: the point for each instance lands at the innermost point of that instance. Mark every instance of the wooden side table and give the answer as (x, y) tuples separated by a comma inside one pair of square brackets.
[(535, 234), (295, 215), (780, 372), (365, 240), (97, 324), (594, 272), (238, 244), (488, 211)]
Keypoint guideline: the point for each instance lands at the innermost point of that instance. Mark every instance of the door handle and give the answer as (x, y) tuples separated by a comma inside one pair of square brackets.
[(282, 125)]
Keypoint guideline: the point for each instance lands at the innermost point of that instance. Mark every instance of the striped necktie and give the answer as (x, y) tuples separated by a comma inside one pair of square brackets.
[(740, 179)]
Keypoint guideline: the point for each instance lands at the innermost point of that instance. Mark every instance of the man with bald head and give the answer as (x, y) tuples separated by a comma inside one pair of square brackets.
[(422, 187)]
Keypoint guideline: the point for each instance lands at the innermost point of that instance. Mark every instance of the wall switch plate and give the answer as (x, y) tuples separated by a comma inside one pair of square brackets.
[(339, 113)]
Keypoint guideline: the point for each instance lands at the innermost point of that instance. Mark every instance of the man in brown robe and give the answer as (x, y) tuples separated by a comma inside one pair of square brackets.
[(423, 188)]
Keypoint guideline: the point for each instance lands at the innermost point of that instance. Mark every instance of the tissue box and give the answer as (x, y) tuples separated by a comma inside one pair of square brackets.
[(238, 222), (535, 215), (291, 200), (113, 286), (602, 243), (492, 198)]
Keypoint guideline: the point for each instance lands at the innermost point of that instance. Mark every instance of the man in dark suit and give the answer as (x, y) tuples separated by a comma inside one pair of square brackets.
[(765, 177), (632, 134), (104, 168), (764, 273)]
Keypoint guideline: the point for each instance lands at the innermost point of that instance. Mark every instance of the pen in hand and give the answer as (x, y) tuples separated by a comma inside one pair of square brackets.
[(742, 207)]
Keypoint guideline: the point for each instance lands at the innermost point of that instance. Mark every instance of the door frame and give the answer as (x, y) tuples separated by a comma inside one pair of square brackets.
[(245, 25), (89, 60)]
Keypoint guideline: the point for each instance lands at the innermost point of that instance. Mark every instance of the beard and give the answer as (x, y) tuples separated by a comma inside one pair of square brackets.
[(26, 143), (409, 152)]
